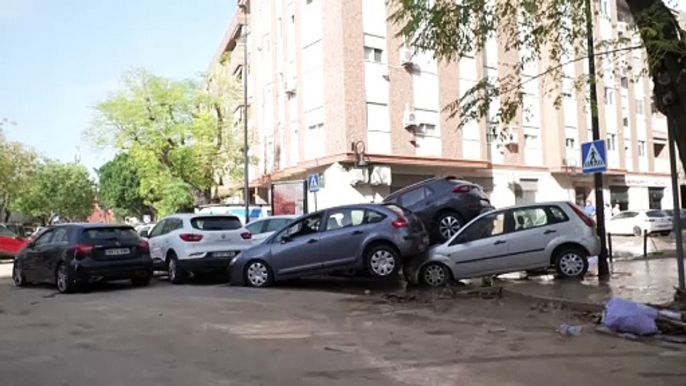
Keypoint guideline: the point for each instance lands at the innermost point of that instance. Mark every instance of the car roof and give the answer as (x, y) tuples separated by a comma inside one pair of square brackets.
[(533, 205), (91, 225), (186, 216), (425, 182)]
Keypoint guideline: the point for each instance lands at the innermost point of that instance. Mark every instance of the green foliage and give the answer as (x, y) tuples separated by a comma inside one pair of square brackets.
[(119, 188), (180, 135), (57, 188), (17, 163)]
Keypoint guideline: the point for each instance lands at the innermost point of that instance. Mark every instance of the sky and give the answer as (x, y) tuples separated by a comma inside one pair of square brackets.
[(58, 58)]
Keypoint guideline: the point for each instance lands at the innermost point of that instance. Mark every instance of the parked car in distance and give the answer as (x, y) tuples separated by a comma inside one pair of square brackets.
[(638, 222), (443, 204), (20, 230), (184, 244), (682, 216), (10, 243), (262, 228), (373, 237), (518, 238), (71, 255), (256, 212)]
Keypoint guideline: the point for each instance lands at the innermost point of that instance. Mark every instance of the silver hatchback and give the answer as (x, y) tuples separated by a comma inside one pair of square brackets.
[(518, 238)]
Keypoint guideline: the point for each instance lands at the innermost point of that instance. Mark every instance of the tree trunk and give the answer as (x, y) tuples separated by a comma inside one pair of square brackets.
[(668, 73)]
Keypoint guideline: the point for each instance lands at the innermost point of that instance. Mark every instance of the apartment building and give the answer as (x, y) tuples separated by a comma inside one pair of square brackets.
[(331, 85)]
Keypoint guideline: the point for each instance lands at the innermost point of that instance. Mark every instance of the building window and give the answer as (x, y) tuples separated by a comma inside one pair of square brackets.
[(570, 143), (492, 133), (373, 55), (619, 195), (625, 82), (640, 109), (427, 129), (308, 1), (655, 196), (567, 87), (625, 121), (609, 96), (612, 142), (641, 148), (659, 149)]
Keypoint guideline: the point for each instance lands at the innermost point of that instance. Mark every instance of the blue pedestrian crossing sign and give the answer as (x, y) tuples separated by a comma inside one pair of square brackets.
[(313, 183), (593, 157)]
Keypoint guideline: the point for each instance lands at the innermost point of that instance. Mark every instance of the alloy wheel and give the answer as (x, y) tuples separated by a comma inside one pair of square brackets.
[(435, 275), (382, 262), (62, 278), (18, 276), (572, 264), (172, 270), (258, 275), (448, 226)]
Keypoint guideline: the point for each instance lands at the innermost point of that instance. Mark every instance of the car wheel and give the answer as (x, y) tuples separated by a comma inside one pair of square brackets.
[(176, 274), (435, 275), (140, 281), (447, 225), (258, 274), (383, 262), (571, 263), (18, 275), (637, 231), (65, 283)]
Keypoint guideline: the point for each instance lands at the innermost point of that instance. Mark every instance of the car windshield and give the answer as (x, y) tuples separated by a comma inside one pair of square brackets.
[(7, 232), (656, 213), (96, 235), (216, 223)]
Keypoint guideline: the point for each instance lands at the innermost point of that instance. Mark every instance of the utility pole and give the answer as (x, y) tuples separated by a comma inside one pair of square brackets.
[(603, 269), (246, 183), (676, 219)]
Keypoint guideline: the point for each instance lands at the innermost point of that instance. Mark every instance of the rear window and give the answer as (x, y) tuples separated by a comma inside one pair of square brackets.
[(656, 213), (216, 223), (93, 235)]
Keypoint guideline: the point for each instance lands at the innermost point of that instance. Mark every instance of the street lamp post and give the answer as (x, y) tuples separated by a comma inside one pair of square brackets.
[(246, 185)]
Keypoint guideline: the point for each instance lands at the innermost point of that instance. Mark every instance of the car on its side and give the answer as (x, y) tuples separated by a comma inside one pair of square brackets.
[(518, 238), (10, 243), (639, 222), (71, 255), (262, 228), (443, 204), (192, 243), (371, 237)]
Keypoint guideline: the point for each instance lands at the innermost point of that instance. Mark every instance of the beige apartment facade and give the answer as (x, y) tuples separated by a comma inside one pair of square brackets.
[(330, 84)]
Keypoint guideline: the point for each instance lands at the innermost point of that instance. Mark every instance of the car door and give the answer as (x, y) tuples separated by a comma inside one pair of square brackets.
[(476, 249), (623, 223), (534, 228), (155, 241), (34, 255), (342, 237), (53, 253), (296, 249), (416, 201)]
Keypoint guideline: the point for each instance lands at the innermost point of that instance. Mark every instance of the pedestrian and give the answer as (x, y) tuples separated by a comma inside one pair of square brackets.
[(615, 209), (589, 210)]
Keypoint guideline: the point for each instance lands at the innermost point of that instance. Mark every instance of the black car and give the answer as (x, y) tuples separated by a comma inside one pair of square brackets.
[(443, 204), (71, 255)]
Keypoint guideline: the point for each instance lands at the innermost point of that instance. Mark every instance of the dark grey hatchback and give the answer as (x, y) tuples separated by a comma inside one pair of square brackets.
[(353, 237), (71, 255)]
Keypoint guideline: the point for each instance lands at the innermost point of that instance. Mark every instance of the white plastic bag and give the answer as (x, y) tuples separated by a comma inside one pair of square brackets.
[(626, 316)]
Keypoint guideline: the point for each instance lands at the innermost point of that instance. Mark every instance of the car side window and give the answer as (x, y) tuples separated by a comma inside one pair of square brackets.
[(60, 236), (157, 229), (373, 217), (172, 225), (276, 224), (414, 196), (344, 218), (256, 227), (528, 218), (44, 239), (556, 215), (307, 226), (492, 224)]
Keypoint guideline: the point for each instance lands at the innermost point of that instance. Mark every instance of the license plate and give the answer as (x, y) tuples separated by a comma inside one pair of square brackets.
[(224, 254), (117, 251)]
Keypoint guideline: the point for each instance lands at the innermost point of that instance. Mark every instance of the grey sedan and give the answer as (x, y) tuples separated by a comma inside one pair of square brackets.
[(367, 236)]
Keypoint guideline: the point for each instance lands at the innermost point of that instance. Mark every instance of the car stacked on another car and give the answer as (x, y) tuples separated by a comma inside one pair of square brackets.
[(184, 244), (71, 255), (518, 238), (443, 204), (368, 237)]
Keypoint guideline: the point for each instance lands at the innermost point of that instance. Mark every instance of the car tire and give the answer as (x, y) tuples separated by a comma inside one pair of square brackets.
[(63, 279), (435, 275), (176, 274), (140, 281), (18, 275), (447, 224), (383, 262), (571, 263), (638, 232), (258, 274)]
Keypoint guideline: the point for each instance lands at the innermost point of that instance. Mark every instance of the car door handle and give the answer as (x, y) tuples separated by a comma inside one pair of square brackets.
[(499, 242), (312, 241), (357, 233), (549, 231)]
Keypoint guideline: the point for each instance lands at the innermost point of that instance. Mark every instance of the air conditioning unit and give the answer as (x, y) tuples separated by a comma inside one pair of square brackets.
[(410, 119), (511, 139), (406, 56), (381, 175), (357, 176), (289, 86)]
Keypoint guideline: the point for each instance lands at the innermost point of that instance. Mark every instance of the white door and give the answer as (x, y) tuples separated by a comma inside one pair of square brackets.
[(155, 241)]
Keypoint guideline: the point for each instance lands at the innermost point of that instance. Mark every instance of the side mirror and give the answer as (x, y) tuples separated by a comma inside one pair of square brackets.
[(285, 239), (144, 234)]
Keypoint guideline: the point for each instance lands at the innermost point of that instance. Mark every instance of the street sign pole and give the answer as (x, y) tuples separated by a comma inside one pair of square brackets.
[(676, 220), (313, 185), (603, 268)]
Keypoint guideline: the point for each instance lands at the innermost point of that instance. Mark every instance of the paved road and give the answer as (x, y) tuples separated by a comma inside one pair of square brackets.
[(306, 333)]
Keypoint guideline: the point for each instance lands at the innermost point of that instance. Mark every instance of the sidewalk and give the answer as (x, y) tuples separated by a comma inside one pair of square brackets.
[(645, 281), (628, 247)]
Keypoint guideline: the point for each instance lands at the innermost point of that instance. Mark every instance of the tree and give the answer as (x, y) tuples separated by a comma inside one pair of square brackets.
[(178, 134), (17, 163), (57, 189), (119, 188), (553, 31)]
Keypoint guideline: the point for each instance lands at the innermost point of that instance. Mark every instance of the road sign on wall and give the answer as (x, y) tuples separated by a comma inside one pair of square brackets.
[(593, 157)]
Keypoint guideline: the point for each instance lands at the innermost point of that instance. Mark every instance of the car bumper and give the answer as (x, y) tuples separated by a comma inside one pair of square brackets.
[(236, 268), (92, 270), (653, 228), (414, 244), (205, 264)]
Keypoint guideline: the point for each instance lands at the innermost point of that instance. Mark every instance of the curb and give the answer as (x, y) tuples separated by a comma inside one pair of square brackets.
[(570, 304)]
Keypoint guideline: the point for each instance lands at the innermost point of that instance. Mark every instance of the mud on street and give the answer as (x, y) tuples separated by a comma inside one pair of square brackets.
[(309, 332)]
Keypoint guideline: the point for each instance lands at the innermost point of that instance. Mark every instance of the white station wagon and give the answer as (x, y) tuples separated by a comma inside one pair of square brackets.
[(518, 238)]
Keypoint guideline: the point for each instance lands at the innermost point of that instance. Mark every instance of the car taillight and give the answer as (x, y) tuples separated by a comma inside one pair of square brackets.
[(82, 250), (246, 235), (190, 237), (400, 222), (463, 188), (581, 215), (144, 246)]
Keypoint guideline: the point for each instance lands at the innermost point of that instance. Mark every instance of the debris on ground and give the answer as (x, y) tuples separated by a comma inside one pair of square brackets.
[(569, 330), (625, 316), (497, 330)]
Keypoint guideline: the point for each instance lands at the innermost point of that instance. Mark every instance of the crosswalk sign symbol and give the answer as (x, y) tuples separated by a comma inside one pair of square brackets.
[(594, 157), (313, 184)]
